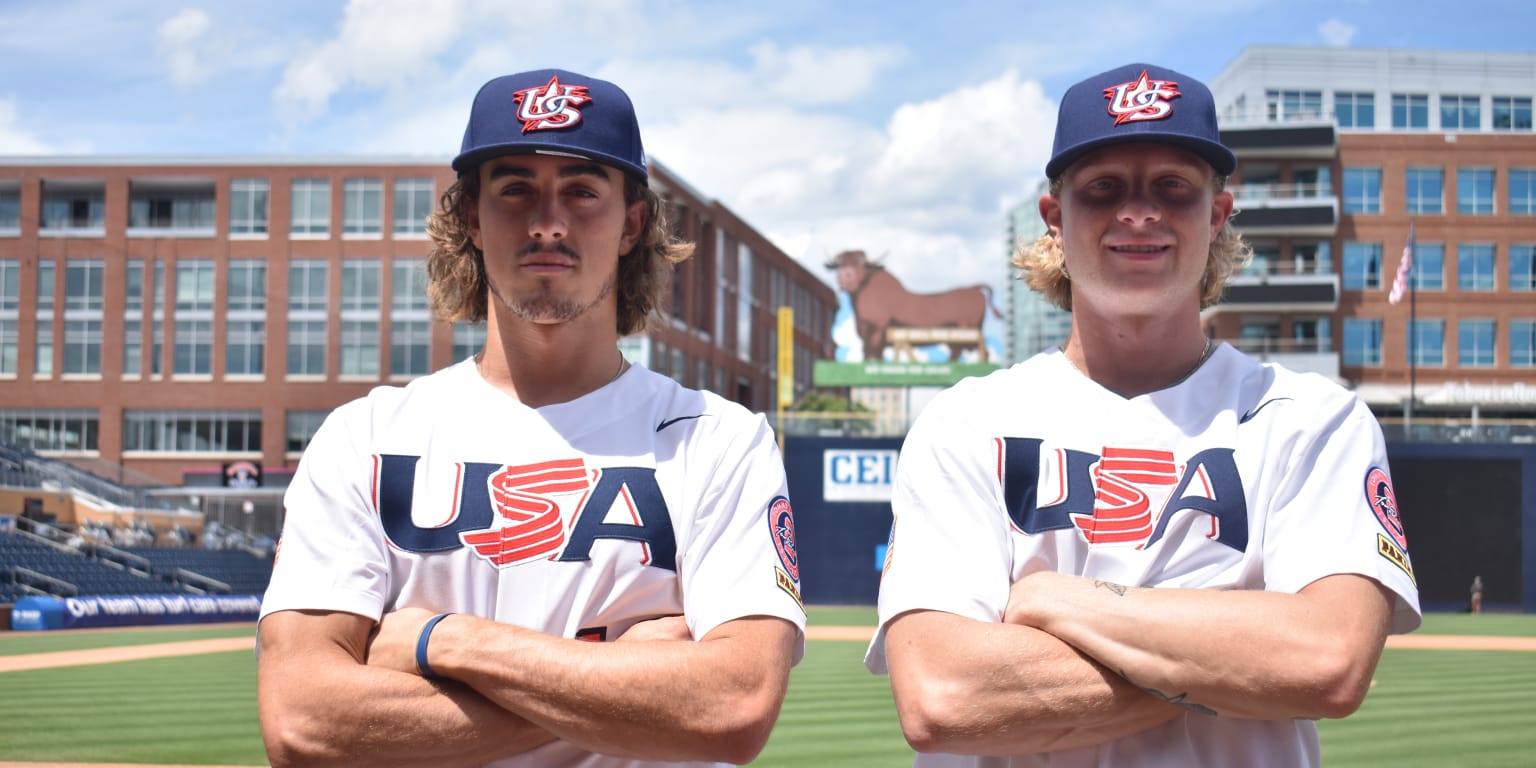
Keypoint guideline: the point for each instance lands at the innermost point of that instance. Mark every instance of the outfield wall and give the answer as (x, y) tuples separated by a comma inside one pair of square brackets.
[(1468, 510)]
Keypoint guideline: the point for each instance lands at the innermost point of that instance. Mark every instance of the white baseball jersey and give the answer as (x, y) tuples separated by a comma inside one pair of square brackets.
[(1243, 476), (580, 519)]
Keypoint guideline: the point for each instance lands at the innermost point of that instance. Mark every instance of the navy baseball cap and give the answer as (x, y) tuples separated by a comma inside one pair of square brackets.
[(553, 112), (1138, 102)]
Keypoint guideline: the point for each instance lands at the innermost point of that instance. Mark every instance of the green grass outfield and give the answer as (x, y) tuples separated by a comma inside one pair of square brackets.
[(1427, 708)]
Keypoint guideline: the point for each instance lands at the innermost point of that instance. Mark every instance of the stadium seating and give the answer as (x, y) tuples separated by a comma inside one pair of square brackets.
[(243, 572)]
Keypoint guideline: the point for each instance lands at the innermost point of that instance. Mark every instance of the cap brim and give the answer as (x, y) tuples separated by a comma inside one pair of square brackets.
[(1219, 157)]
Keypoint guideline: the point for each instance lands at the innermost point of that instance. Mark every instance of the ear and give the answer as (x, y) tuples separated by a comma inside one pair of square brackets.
[(634, 226), (1221, 211), (1050, 213), (472, 221)]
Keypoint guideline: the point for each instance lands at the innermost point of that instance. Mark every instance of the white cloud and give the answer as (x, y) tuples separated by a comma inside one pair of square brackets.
[(13, 140), (180, 42), (810, 76), (1336, 33)]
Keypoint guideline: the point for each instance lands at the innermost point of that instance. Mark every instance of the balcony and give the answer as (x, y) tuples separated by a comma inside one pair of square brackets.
[(1307, 136), (1300, 355), (171, 208), (1283, 287), (1299, 209)]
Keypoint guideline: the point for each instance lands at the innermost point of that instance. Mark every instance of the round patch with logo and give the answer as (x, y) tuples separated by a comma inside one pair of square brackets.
[(1379, 494), (781, 523)]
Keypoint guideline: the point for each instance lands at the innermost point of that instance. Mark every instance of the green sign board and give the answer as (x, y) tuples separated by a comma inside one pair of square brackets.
[(830, 373)]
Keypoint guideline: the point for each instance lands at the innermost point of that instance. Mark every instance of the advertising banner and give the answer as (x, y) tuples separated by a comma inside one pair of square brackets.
[(42, 613)]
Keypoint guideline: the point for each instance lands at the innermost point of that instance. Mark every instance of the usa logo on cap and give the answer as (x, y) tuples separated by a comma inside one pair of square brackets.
[(1141, 99), (550, 106)]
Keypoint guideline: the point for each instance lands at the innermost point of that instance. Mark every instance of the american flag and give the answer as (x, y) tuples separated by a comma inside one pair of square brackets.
[(1400, 283)]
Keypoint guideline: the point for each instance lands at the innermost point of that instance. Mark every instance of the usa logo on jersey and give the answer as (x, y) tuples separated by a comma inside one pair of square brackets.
[(1141, 99), (550, 106)]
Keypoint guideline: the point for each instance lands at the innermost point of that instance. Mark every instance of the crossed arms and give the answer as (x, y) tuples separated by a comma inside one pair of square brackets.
[(1078, 662), (333, 691)]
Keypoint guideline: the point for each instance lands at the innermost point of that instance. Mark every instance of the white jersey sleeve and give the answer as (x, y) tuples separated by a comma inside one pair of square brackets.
[(1334, 510), (949, 548), (739, 558), (333, 554)]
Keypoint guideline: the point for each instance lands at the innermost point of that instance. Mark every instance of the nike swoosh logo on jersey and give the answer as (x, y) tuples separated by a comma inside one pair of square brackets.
[(670, 422), (1247, 417)]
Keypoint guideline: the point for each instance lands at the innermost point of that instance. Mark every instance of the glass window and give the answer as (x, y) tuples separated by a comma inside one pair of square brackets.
[(1410, 110), (409, 286), (413, 204), (359, 347), (10, 304), (1425, 188), (1474, 266), (73, 206), (193, 353), (1474, 343), (306, 347), (82, 347), (10, 346), (245, 347), (247, 285), (248, 206), (1362, 190), (178, 207), (45, 285), (133, 347), (1461, 113), (362, 206), (1355, 109), (1362, 266), (83, 289), (744, 301), (1522, 266), (1426, 341), (194, 285), (1474, 190), (1522, 191), (468, 340), (1362, 341), (192, 431), (311, 208), (408, 343), (1294, 105), (301, 427), (1522, 343), (10, 210), (1429, 266), (44, 367), (1512, 113), (50, 430), (10, 285), (360, 290), (307, 285)]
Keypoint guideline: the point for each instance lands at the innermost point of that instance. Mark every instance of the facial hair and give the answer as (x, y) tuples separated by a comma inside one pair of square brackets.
[(544, 305)]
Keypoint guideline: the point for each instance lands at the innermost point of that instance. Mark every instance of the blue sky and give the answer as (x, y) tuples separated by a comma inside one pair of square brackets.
[(905, 129)]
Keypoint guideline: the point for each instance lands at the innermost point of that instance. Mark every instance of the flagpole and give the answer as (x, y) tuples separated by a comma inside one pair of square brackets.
[(1413, 334)]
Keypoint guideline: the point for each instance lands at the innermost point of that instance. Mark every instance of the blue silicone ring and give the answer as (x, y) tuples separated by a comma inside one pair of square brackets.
[(421, 647)]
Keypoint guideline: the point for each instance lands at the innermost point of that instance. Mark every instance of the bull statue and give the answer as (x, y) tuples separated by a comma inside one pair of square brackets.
[(881, 304)]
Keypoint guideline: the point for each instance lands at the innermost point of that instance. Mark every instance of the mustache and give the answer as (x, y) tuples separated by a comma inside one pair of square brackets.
[(557, 246)]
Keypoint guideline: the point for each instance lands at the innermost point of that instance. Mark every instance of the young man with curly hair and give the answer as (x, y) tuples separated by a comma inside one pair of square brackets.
[(540, 556)]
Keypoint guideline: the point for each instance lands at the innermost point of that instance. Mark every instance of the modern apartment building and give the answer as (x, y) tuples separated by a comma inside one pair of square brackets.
[(193, 320), (1344, 155)]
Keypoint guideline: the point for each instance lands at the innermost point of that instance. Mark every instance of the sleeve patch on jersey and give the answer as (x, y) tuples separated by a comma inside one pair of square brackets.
[(1397, 557), (1383, 501), (781, 525), (788, 585)]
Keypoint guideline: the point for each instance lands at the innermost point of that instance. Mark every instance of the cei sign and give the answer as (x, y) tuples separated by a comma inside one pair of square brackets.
[(857, 475)]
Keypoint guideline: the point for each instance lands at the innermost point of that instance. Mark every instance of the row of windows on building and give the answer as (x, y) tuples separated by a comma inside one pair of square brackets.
[(1476, 267), (189, 325), (1409, 111), (153, 431), (1424, 191), (157, 208), (1476, 342)]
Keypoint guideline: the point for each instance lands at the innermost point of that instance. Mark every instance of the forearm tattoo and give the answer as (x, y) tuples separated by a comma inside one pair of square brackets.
[(1180, 700), (1119, 589)]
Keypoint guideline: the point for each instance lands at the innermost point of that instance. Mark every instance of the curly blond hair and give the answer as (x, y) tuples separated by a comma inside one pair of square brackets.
[(456, 283), (1043, 265)]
